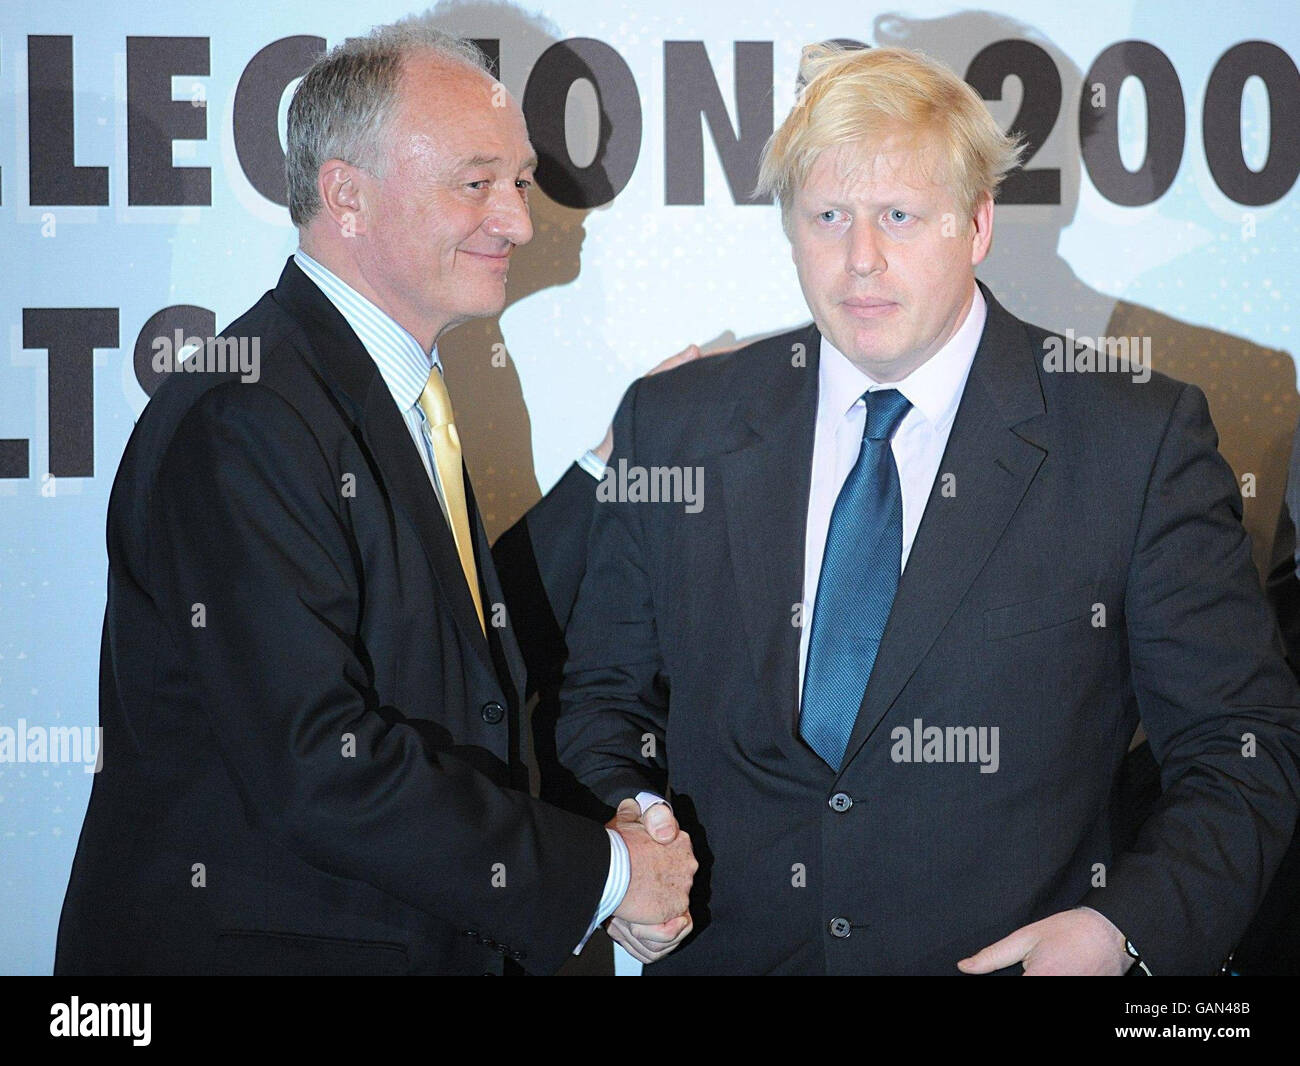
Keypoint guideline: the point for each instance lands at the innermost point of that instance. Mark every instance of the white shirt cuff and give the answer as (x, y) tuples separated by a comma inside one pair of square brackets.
[(646, 800), (593, 464)]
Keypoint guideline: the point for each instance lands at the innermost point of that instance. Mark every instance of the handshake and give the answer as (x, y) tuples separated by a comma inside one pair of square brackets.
[(654, 916)]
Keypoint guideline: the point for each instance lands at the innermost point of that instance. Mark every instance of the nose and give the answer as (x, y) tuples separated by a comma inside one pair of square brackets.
[(866, 256), (510, 218)]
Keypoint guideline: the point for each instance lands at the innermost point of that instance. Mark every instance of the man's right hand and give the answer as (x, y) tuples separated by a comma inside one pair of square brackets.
[(660, 884)]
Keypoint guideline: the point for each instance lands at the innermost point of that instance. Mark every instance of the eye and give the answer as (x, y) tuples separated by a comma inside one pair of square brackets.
[(831, 214), (483, 183), (897, 216), (523, 184)]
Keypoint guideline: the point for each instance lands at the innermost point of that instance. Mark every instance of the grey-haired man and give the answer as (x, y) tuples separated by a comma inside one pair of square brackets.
[(311, 741)]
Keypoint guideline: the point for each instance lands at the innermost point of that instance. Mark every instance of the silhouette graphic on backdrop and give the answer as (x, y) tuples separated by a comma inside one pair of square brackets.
[(1251, 389)]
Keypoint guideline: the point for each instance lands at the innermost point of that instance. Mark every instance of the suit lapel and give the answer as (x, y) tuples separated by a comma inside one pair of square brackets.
[(492, 595), (765, 482), (347, 369), (993, 458)]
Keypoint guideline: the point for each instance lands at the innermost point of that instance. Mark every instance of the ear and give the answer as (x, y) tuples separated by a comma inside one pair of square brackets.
[(981, 229), (343, 192)]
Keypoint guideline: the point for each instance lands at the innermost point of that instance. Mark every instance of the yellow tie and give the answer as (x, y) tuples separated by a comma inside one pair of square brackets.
[(436, 405)]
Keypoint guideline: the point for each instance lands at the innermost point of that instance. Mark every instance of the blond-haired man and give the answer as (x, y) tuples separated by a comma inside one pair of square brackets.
[(888, 674)]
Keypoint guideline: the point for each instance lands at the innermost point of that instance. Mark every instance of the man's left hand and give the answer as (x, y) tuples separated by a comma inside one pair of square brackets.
[(1081, 942), (649, 943)]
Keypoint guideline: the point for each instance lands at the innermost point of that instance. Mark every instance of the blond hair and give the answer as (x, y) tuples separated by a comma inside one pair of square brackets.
[(868, 96)]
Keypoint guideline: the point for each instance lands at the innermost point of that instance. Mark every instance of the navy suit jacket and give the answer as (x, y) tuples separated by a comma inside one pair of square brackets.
[(311, 752), (1080, 566)]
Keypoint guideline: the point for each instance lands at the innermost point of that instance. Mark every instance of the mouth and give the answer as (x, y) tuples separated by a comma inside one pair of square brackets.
[(868, 307), (492, 260)]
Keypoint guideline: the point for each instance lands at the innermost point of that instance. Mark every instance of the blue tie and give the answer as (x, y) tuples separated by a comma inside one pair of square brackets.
[(859, 576)]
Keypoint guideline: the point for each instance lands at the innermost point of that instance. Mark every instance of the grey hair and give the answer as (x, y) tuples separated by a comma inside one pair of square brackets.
[(342, 106)]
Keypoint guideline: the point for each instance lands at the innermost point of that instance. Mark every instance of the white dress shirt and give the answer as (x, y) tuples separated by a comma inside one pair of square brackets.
[(934, 389)]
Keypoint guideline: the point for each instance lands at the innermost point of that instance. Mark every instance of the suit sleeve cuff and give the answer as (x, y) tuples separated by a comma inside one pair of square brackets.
[(616, 883)]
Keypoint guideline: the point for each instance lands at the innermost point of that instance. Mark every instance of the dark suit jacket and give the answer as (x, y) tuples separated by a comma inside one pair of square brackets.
[(1271, 946), (1067, 491), (311, 757), (541, 560)]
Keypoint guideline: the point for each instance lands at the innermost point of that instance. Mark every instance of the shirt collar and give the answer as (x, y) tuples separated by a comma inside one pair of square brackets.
[(402, 363), (934, 388)]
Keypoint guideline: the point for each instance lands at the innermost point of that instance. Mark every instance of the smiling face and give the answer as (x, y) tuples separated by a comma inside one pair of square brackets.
[(434, 235), (885, 256)]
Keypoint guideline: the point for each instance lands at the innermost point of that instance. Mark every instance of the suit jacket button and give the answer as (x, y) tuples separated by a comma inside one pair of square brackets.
[(492, 713), (841, 802), (840, 928)]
